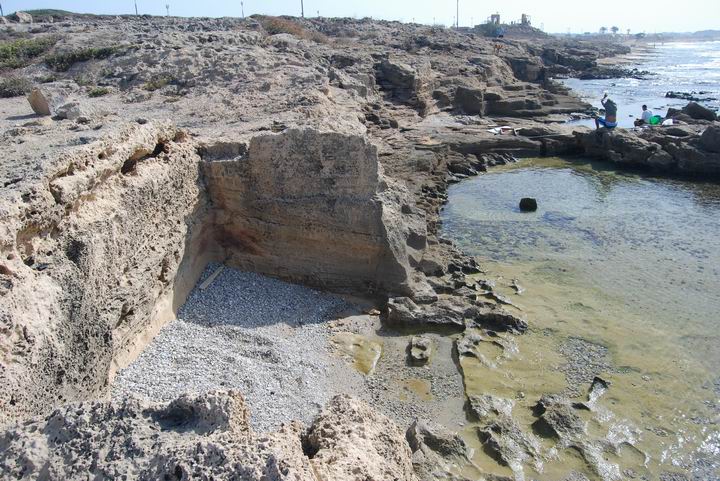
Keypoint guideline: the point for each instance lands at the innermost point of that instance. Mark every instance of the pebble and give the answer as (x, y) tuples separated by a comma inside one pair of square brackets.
[(264, 337)]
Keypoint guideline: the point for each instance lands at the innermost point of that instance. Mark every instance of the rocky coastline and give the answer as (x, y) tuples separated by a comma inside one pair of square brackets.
[(314, 151)]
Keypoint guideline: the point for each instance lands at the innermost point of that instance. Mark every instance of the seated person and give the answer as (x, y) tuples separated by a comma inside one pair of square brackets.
[(610, 119), (645, 117)]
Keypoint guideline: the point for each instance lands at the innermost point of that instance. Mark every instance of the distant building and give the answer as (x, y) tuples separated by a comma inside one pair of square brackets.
[(525, 19), (495, 19)]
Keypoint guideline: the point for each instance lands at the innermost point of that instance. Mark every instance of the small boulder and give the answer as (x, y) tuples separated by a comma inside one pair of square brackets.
[(40, 102), (710, 139), (71, 111), (698, 112), (420, 349), (23, 17), (4, 21), (528, 204)]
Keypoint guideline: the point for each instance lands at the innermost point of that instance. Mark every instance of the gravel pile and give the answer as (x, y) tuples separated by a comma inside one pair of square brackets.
[(263, 337)]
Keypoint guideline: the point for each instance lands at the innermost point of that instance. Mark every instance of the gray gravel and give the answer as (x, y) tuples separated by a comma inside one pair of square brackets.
[(264, 337)]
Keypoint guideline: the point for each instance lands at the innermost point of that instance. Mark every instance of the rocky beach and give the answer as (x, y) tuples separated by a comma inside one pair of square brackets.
[(226, 252)]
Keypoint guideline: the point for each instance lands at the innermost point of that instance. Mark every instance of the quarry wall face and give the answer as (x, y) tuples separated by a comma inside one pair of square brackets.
[(107, 244), (313, 207)]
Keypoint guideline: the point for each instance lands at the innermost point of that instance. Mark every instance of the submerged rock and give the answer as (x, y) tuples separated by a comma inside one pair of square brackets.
[(437, 453), (528, 204), (511, 446), (487, 405)]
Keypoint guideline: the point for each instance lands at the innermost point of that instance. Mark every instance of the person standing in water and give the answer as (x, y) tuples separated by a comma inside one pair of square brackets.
[(610, 119)]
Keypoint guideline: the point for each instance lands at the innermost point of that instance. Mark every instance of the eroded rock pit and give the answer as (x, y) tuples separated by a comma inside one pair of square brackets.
[(103, 254)]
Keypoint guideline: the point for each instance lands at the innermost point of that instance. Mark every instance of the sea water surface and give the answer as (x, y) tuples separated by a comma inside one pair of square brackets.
[(675, 66), (616, 263), (618, 274)]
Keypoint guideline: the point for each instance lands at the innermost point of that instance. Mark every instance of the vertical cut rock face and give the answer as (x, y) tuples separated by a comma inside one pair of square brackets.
[(96, 255), (313, 207), (101, 248)]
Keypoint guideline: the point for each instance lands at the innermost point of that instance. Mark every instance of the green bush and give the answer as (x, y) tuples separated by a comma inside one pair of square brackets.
[(98, 91), (62, 61), (14, 87), (19, 53)]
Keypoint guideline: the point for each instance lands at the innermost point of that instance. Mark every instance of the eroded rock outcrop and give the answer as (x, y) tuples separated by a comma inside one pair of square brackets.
[(204, 437), (95, 259), (678, 149)]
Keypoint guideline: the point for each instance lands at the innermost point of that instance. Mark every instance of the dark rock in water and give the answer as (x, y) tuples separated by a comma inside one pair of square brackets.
[(690, 96), (528, 204), (698, 112), (710, 139)]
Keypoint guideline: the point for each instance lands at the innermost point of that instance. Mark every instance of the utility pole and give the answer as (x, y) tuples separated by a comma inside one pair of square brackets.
[(457, 14), (302, 9), (167, 9), (136, 8), (1, 11), (242, 9)]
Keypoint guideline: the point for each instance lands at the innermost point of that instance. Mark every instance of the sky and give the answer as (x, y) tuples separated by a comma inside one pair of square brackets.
[(559, 16)]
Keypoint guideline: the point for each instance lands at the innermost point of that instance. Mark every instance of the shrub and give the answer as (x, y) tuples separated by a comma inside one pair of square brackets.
[(98, 91), (14, 87), (156, 83), (19, 53), (62, 61), (275, 25)]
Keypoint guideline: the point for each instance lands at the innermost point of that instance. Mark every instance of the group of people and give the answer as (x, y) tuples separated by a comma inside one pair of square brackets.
[(609, 121)]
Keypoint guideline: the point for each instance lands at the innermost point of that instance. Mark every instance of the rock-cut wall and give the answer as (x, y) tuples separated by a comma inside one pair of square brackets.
[(101, 247), (97, 253), (313, 207)]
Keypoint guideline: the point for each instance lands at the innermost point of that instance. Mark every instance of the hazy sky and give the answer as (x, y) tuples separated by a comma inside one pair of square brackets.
[(554, 15)]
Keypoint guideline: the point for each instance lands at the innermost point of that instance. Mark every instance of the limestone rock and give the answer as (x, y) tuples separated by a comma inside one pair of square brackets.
[(350, 441), (436, 452), (74, 111), (202, 437), (23, 17), (317, 209), (40, 101), (470, 100), (486, 405), (513, 446), (420, 349)]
